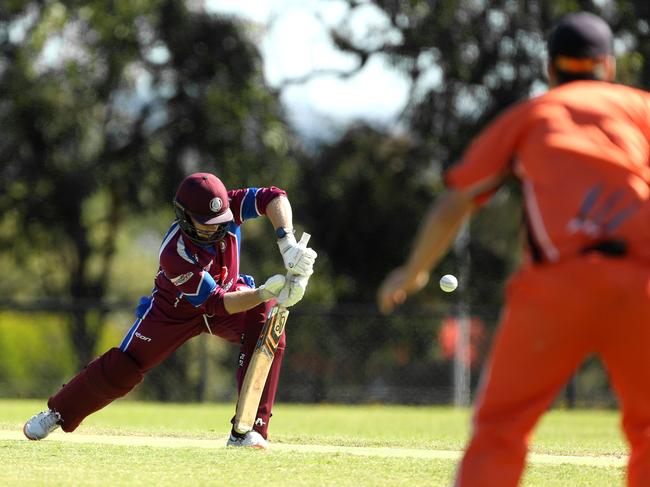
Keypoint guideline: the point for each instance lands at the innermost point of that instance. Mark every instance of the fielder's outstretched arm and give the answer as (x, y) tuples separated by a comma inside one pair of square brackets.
[(435, 236)]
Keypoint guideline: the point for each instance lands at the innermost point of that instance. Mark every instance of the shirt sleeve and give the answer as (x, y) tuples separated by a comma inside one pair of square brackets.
[(487, 161), (250, 203)]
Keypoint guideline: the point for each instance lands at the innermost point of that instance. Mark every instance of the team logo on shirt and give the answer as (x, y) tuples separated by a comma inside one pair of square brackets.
[(182, 279), (223, 275), (228, 284), (216, 204)]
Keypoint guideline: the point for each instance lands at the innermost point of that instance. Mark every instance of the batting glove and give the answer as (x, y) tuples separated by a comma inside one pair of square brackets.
[(298, 260), (272, 287), (293, 291)]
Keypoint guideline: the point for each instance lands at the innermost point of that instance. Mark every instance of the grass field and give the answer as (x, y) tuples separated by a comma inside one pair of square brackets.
[(145, 444)]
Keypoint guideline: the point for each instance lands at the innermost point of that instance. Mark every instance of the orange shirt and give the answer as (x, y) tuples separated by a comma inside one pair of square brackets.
[(582, 154)]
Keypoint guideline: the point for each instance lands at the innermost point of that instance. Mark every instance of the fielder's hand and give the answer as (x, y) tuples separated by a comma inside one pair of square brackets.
[(298, 259), (293, 291), (272, 287), (397, 286)]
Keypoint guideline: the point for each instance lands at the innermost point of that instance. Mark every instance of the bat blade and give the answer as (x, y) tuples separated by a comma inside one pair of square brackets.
[(260, 364), (258, 369)]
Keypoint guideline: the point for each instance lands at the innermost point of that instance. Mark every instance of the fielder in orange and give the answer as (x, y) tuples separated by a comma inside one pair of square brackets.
[(581, 152)]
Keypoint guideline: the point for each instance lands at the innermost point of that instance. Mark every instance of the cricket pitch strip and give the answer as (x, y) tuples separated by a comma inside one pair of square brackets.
[(175, 442)]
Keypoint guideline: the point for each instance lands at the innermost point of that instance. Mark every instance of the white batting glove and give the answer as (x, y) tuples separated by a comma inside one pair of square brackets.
[(272, 287), (293, 291), (298, 259)]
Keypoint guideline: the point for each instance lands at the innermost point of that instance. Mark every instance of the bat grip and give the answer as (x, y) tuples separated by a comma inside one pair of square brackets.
[(304, 239)]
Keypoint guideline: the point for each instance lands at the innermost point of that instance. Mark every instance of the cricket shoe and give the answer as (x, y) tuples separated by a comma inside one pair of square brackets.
[(252, 439), (42, 424)]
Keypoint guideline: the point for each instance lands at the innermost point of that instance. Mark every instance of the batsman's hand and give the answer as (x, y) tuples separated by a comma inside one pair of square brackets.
[(272, 287), (293, 291), (298, 259)]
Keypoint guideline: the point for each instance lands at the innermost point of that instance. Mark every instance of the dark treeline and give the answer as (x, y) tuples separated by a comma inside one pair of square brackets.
[(105, 106)]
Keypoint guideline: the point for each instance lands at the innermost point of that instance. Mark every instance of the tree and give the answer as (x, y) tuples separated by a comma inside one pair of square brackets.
[(467, 61), (105, 107)]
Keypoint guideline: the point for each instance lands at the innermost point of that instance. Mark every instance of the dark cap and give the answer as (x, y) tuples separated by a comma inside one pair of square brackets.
[(580, 35), (205, 197)]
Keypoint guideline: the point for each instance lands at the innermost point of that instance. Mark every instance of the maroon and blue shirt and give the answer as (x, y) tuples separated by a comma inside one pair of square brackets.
[(192, 279)]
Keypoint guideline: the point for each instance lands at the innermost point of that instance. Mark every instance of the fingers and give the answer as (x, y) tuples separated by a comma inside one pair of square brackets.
[(272, 287), (302, 263), (309, 255), (387, 301), (294, 291), (392, 291), (304, 267), (275, 283)]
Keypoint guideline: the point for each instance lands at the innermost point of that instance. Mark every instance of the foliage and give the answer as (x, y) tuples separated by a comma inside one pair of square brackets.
[(105, 108), (467, 61), (34, 354), (366, 194)]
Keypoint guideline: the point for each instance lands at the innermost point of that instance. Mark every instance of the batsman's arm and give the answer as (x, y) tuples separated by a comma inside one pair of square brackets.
[(238, 301), (279, 212)]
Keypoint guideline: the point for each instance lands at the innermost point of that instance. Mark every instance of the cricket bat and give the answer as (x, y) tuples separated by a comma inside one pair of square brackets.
[(260, 364)]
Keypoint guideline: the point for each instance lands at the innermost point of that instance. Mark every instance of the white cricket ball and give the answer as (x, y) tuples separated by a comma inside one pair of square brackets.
[(448, 283)]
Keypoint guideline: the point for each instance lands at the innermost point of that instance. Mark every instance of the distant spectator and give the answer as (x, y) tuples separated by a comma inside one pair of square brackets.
[(448, 337)]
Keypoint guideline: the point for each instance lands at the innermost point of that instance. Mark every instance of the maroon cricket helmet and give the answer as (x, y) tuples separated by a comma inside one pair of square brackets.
[(203, 197)]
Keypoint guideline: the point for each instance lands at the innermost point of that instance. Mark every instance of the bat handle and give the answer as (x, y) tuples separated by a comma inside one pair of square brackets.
[(304, 240)]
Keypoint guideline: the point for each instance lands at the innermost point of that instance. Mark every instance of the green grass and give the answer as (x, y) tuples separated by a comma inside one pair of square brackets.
[(61, 463)]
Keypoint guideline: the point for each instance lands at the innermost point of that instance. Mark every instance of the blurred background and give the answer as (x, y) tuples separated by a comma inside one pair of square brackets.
[(354, 107)]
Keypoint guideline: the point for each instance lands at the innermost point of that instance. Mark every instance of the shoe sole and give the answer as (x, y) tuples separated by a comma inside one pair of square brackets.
[(256, 447)]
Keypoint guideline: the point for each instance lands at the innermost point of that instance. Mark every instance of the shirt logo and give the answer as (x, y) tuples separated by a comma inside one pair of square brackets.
[(228, 285), (142, 337), (182, 279), (224, 274), (216, 204)]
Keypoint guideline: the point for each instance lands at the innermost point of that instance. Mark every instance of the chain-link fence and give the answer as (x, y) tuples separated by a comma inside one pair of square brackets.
[(347, 354)]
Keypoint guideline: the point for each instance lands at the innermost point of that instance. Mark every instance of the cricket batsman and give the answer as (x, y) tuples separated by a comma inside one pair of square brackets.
[(581, 153), (199, 288)]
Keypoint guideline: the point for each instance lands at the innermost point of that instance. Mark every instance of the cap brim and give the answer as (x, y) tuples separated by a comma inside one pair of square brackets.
[(226, 216)]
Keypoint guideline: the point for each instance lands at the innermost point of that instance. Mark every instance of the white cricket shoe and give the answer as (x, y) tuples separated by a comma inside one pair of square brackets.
[(42, 424), (252, 439)]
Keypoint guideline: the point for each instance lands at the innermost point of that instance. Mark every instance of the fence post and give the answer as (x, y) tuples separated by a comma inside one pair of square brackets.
[(461, 353)]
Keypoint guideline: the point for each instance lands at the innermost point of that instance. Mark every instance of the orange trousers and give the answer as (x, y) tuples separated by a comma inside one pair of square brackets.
[(554, 317)]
